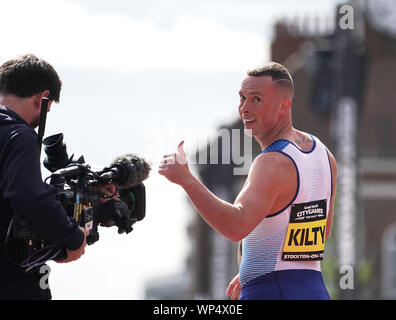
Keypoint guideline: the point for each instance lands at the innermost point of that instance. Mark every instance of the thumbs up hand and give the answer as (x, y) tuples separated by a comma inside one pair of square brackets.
[(175, 167), (180, 154)]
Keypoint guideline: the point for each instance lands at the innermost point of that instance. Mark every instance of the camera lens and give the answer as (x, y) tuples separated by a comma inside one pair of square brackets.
[(55, 150)]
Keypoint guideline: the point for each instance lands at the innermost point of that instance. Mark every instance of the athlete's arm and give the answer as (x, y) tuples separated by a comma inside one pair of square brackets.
[(333, 165), (271, 181)]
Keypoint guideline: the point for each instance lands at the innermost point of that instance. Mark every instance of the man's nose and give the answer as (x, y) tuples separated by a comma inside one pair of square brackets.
[(245, 107)]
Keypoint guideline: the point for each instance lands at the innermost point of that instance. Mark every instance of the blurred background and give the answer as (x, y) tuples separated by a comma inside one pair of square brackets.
[(142, 76)]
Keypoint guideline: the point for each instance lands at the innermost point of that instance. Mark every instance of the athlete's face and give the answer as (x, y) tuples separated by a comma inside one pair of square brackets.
[(259, 105)]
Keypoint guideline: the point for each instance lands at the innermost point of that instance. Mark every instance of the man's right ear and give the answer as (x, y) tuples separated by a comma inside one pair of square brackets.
[(286, 104), (38, 98)]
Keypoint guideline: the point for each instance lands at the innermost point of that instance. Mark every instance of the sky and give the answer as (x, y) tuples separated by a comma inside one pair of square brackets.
[(140, 76)]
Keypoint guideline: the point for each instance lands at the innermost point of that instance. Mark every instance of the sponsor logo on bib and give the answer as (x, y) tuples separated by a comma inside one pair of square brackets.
[(306, 232)]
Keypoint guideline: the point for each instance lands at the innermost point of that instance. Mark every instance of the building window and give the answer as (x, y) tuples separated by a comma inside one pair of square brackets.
[(389, 263)]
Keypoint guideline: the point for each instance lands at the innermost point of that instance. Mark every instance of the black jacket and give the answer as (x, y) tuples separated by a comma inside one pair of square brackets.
[(22, 190)]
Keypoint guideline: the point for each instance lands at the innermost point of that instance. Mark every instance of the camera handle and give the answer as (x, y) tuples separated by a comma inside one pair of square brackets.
[(43, 118)]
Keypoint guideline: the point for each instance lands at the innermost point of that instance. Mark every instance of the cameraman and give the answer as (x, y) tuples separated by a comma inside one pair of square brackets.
[(23, 83)]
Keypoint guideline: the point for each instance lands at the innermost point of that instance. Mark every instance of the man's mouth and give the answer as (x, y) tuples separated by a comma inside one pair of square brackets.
[(246, 121)]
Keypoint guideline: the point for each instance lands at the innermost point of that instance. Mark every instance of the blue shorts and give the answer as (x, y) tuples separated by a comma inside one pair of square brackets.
[(296, 284)]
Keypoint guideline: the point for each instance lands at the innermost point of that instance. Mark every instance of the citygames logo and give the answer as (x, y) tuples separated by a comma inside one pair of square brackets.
[(309, 210)]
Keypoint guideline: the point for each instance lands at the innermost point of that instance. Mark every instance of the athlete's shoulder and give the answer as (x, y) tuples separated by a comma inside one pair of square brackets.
[(273, 164), (305, 141), (332, 158), (271, 158)]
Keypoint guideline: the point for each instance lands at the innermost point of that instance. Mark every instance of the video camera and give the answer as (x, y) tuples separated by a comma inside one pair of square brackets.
[(77, 189)]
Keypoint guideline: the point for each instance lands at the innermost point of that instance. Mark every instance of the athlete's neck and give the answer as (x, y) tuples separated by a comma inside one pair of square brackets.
[(284, 131)]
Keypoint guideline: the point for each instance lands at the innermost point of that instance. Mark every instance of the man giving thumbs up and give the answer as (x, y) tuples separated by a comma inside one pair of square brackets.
[(293, 178)]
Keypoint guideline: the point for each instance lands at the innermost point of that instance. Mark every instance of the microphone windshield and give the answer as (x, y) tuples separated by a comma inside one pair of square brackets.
[(138, 169)]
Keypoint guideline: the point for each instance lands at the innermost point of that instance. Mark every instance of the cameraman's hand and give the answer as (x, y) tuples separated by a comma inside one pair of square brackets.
[(108, 190), (72, 255)]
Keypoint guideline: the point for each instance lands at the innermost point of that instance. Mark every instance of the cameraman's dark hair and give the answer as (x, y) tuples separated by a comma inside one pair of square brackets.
[(276, 71), (28, 75)]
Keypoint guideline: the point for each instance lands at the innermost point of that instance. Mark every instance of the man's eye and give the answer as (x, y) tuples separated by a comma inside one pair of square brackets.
[(256, 99), (242, 97)]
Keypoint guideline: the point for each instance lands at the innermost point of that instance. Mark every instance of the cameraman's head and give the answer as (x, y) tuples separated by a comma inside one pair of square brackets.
[(24, 81)]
